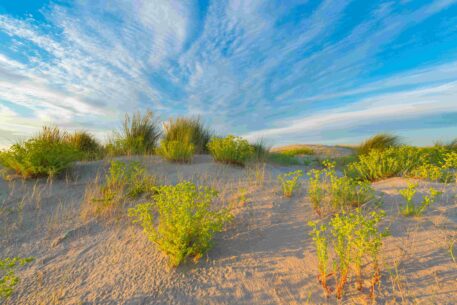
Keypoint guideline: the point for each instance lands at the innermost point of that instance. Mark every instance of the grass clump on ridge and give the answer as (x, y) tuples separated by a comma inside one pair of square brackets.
[(46, 154), (380, 141), (86, 143), (139, 135), (181, 221), (176, 151), (231, 150), (189, 130)]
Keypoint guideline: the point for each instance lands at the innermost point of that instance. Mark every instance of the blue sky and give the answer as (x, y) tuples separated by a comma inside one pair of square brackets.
[(286, 71)]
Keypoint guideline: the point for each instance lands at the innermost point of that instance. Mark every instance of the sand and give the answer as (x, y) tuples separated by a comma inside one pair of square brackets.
[(265, 256)]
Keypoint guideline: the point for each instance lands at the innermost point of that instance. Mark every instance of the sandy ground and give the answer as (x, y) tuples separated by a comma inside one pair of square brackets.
[(264, 256)]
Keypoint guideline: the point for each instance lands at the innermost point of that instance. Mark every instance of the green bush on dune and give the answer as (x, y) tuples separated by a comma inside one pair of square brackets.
[(86, 144), (176, 151), (189, 130), (231, 149)]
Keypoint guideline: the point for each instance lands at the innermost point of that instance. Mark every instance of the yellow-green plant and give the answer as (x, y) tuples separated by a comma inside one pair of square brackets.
[(189, 130), (86, 144), (181, 221), (8, 277), (289, 182), (321, 244), (231, 149), (410, 209), (176, 151), (378, 142)]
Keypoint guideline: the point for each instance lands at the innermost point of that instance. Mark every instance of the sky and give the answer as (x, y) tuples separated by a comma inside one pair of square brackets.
[(330, 72)]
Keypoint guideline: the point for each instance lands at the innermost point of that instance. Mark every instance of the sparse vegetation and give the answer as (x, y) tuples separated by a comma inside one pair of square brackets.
[(297, 151), (46, 154), (380, 141), (281, 159), (410, 209), (176, 151), (8, 277), (231, 149), (187, 130), (181, 221), (139, 135), (289, 182), (85, 143)]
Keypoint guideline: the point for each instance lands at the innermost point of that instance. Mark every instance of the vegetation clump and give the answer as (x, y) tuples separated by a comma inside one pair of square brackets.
[(8, 277), (176, 151), (380, 141), (410, 209), (231, 150), (351, 242), (46, 154), (289, 182), (188, 130), (181, 221), (85, 143), (328, 192), (139, 135)]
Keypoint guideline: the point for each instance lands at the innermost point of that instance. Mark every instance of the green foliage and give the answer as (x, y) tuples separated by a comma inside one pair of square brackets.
[(382, 164), (378, 142), (289, 182), (86, 143), (188, 130), (123, 181), (328, 192), (297, 151), (181, 221), (281, 159), (8, 277), (410, 209), (176, 151), (139, 135), (46, 154), (261, 151), (350, 241), (231, 149)]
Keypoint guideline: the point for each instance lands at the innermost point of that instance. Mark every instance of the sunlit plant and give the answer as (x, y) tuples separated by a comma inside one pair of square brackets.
[(289, 182)]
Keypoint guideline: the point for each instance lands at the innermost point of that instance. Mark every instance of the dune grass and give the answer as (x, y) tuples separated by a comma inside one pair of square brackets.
[(380, 141), (86, 143), (188, 130), (176, 151)]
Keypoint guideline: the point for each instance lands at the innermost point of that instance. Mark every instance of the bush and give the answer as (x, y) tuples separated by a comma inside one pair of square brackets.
[(328, 192), (86, 144), (139, 135), (289, 182), (231, 149), (46, 154), (382, 164), (185, 223), (410, 208), (354, 238), (176, 151), (123, 181), (379, 142), (8, 278), (188, 130)]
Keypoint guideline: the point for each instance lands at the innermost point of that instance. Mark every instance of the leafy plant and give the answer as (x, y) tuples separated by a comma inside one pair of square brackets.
[(328, 192), (176, 151), (321, 244), (46, 154), (139, 135), (231, 149), (380, 141), (410, 208), (181, 221), (8, 277), (188, 130), (289, 182)]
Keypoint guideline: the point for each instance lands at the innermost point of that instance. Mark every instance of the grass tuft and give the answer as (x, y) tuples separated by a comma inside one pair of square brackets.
[(378, 142), (189, 130)]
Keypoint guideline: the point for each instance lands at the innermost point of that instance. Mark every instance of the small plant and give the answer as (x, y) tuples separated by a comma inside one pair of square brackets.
[(321, 243), (189, 130), (8, 277), (289, 182), (378, 142), (231, 149), (46, 154), (176, 151), (139, 135), (410, 208), (181, 221)]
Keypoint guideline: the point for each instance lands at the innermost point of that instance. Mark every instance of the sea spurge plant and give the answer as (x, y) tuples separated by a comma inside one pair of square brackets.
[(181, 221), (321, 244), (289, 182), (231, 149), (410, 209), (8, 277)]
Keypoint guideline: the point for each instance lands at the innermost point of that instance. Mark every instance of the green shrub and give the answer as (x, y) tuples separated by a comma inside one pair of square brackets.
[(354, 239), (297, 151), (378, 142), (328, 192), (410, 208), (176, 151), (139, 135), (8, 278), (86, 144), (188, 130), (180, 221), (289, 182), (382, 164), (231, 149), (122, 182), (46, 154)]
